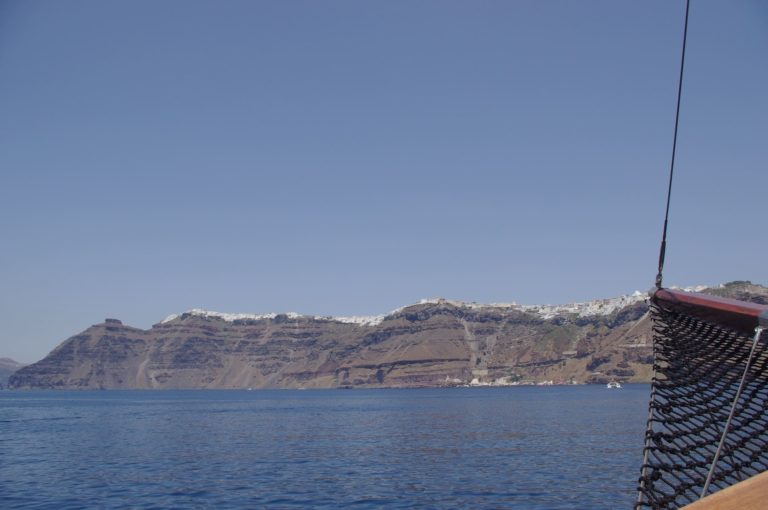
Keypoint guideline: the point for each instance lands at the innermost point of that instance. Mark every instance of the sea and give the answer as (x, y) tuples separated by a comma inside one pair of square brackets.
[(523, 447)]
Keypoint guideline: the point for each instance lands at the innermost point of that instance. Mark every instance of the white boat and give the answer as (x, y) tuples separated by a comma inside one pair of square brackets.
[(613, 385)]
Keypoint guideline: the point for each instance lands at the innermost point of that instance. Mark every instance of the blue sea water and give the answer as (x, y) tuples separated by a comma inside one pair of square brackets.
[(562, 447)]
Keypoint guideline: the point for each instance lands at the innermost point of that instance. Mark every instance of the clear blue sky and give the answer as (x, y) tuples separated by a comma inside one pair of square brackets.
[(347, 157)]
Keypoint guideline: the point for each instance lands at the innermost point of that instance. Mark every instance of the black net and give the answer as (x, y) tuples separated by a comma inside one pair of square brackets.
[(699, 366)]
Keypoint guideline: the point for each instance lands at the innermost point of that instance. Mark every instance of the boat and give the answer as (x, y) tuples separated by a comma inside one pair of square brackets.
[(613, 385), (706, 439)]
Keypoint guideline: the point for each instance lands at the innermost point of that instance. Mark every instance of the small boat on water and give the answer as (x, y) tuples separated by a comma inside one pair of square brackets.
[(613, 385)]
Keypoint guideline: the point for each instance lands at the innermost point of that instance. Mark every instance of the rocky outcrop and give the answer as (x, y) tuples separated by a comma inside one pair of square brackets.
[(433, 343), (7, 368)]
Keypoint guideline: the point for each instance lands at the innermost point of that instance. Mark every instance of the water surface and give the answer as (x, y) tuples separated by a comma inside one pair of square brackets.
[(520, 447)]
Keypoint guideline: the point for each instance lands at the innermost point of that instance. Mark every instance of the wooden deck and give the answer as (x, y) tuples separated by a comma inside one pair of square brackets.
[(751, 494)]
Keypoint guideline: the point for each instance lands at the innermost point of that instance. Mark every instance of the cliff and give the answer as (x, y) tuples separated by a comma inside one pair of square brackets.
[(7, 368), (433, 343)]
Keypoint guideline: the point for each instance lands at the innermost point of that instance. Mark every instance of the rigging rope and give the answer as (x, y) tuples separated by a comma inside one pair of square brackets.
[(707, 372), (708, 414), (663, 249), (758, 332)]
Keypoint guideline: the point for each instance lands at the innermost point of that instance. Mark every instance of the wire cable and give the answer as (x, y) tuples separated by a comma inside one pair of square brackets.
[(758, 332), (663, 249)]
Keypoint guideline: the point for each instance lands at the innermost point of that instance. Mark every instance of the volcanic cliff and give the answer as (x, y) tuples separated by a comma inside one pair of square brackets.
[(7, 368), (433, 343)]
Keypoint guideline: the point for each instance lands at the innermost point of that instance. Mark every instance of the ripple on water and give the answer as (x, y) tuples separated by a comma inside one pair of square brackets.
[(526, 448)]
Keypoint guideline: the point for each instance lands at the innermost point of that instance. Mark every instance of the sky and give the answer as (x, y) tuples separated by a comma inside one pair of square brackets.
[(347, 158)]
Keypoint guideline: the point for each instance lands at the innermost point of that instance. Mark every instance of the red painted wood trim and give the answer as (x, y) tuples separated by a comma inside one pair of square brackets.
[(740, 315)]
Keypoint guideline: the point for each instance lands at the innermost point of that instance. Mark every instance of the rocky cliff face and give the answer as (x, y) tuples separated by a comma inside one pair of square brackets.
[(433, 343), (7, 368)]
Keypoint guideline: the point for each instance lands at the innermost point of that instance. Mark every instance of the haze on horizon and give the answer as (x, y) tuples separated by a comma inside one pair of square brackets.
[(348, 158)]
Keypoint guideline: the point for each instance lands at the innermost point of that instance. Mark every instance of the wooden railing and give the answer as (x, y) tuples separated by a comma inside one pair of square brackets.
[(740, 315)]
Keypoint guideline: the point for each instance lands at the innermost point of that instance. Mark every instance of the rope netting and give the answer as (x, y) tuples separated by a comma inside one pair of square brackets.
[(699, 365)]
